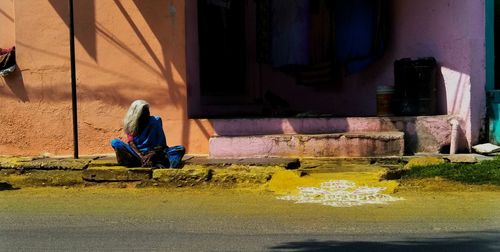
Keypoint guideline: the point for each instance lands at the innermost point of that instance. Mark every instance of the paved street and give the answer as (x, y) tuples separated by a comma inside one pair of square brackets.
[(93, 219)]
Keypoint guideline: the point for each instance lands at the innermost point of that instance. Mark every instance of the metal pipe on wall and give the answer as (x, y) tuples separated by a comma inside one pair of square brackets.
[(73, 79)]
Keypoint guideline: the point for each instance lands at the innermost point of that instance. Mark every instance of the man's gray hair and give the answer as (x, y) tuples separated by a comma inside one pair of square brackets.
[(131, 120)]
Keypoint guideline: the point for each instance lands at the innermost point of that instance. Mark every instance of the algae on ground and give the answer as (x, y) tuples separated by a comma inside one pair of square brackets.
[(486, 172), (424, 161)]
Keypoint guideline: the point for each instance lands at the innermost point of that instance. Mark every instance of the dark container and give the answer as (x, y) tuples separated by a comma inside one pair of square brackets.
[(415, 86)]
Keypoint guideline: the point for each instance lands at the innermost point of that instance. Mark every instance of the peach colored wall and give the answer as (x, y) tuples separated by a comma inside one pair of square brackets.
[(452, 31), (7, 21), (126, 50), (34, 108)]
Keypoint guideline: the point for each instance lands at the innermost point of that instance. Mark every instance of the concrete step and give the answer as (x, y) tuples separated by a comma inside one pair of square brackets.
[(428, 134), (349, 144)]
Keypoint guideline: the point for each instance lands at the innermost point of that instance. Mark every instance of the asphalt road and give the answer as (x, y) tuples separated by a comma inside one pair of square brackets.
[(92, 219)]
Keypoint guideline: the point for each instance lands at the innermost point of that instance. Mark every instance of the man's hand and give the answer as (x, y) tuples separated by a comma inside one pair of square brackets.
[(147, 159)]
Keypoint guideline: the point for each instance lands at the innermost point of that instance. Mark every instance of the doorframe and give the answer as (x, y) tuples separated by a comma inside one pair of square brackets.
[(490, 44), (492, 94)]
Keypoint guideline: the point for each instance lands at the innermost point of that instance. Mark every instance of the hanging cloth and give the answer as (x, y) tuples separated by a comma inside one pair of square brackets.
[(360, 32), (7, 61), (263, 31), (290, 29), (220, 3), (321, 69)]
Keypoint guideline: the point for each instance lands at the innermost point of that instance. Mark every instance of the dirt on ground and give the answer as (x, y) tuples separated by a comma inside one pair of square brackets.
[(454, 208)]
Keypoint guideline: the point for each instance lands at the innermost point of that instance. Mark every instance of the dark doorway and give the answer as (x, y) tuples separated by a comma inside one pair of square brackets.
[(221, 27), (263, 58)]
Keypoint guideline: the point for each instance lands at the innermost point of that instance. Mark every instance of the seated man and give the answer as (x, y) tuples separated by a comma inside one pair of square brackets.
[(147, 146)]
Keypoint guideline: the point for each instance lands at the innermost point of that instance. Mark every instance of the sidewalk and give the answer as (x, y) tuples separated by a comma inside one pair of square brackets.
[(196, 171)]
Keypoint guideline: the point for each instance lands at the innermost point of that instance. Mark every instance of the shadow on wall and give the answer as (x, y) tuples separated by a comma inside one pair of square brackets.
[(442, 108), (85, 26), (160, 16), (155, 14), (15, 82), (87, 29), (5, 14), (457, 100)]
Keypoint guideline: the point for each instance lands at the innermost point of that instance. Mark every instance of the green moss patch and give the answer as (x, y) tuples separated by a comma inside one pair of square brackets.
[(486, 172)]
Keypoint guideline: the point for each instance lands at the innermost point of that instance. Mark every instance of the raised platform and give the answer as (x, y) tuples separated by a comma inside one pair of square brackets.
[(427, 134), (351, 144)]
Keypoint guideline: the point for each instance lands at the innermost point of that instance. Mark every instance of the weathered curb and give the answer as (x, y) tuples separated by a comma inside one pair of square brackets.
[(40, 163), (114, 174), (34, 178), (183, 177), (197, 171)]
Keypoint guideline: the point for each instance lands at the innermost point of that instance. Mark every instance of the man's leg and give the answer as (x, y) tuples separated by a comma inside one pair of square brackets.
[(175, 155), (124, 154)]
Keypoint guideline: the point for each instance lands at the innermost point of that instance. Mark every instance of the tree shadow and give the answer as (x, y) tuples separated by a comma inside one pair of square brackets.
[(479, 241), (158, 24), (6, 15), (15, 82), (159, 16), (85, 25)]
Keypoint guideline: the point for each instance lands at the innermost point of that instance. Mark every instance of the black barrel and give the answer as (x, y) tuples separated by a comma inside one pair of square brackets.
[(415, 86)]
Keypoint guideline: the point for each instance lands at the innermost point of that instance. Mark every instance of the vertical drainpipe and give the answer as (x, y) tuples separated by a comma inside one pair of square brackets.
[(73, 79)]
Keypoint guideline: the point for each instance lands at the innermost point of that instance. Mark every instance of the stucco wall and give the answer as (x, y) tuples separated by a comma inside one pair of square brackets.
[(452, 31), (136, 49), (126, 50), (7, 21)]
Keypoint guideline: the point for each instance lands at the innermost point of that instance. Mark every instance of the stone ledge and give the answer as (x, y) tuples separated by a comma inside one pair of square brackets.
[(288, 163), (34, 163), (113, 174), (103, 162), (42, 178), (234, 177), (466, 158), (359, 144), (183, 177)]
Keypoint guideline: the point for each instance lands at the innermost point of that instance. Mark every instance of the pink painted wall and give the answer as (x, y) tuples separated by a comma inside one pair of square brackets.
[(452, 31)]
